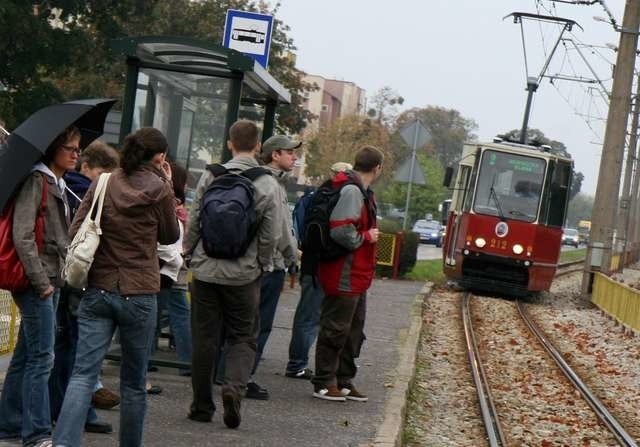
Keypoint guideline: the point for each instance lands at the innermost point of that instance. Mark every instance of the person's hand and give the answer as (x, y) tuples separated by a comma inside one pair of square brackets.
[(166, 168), (47, 293), (373, 234)]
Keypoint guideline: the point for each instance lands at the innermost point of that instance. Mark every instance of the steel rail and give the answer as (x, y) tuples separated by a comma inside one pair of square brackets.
[(598, 407), (487, 408)]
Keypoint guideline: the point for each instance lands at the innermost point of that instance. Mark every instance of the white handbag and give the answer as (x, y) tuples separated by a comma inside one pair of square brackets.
[(86, 241)]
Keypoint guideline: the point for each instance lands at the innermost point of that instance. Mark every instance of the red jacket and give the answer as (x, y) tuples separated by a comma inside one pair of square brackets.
[(351, 220)]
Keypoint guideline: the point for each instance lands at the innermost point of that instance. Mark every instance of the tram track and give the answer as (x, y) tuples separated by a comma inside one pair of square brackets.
[(490, 416)]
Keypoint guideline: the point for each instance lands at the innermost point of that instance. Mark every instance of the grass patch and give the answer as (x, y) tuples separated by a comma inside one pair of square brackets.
[(573, 255), (430, 270)]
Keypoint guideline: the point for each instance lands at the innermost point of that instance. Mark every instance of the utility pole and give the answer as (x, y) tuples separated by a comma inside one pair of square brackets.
[(628, 200), (599, 251)]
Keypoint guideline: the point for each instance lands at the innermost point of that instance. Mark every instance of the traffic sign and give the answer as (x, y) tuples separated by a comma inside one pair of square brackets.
[(249, 33), (403, 173), (415, 134)]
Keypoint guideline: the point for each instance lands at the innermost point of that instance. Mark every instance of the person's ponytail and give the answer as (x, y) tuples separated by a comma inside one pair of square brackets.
[(140, 147)]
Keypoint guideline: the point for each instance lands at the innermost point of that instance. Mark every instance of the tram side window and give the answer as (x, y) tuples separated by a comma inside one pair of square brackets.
[(559, 194), (462, 187)]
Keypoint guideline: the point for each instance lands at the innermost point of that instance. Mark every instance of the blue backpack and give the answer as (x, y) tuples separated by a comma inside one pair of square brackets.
[(299, 211), (228, 219)]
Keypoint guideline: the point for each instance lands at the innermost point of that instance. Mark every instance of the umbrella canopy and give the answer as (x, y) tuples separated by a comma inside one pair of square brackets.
[(30, 140)]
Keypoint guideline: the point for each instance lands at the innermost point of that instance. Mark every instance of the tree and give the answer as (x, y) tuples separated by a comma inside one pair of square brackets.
[(580, 208), (340, 141), (448, 128), (537, 137), (424, 198), (385, 102), (69, 55)]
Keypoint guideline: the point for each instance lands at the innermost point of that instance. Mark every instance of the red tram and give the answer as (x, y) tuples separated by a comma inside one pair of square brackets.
[(508, 207)]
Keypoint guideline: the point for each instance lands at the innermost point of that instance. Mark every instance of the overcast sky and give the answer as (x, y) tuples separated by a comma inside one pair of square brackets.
[(460, 54)]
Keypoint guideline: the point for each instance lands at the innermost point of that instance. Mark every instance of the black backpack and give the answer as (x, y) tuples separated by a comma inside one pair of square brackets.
[(317, 231), (228, 219)]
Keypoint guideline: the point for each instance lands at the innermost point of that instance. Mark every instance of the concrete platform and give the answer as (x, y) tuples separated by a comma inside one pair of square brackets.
[(292, 417)]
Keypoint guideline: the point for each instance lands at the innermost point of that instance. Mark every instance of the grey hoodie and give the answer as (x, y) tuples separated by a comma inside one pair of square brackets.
[(259, 255)]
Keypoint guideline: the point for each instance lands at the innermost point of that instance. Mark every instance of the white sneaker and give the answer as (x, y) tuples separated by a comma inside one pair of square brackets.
[(331, 393)]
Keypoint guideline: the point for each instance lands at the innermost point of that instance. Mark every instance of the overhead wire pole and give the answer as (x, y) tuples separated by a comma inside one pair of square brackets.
[(627, 200), (599, 250)]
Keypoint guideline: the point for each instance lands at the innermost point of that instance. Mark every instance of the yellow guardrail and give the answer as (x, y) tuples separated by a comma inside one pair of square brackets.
[(617, 300), (9, 322)]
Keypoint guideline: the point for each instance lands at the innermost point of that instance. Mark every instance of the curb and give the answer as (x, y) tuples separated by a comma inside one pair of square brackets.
[(389, 433)]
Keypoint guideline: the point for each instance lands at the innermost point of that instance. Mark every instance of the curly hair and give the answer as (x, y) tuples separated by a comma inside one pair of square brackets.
[(140, 147)]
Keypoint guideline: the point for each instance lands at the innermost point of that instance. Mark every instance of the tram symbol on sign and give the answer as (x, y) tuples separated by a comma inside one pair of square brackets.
[(248, 35)]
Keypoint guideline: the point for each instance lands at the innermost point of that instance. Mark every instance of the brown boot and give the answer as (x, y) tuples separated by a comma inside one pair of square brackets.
[(105, 399)]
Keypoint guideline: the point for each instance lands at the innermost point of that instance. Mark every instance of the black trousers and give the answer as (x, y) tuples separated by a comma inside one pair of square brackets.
[(215, 307), (340, 339)]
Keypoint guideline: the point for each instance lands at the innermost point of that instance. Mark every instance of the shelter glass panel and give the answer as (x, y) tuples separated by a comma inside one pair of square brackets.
[(190, 109)]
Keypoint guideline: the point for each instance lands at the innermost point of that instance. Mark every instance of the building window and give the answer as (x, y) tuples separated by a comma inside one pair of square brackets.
[(324, 108)]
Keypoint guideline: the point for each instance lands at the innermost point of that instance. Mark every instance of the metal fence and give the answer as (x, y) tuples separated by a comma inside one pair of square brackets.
[(386, 249), (618, 300), (9, 322)]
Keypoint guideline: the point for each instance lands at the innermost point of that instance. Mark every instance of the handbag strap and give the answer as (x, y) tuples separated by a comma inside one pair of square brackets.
[(98, 197)]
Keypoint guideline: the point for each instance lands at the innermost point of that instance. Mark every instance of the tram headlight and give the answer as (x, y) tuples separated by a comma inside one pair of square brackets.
[(518, 249), (480, 242), (527, 263)]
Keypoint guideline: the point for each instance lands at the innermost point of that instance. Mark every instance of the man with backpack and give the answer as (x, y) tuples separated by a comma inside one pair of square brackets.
[(307, 317), (235, 223), (347, 259), (279, 157)]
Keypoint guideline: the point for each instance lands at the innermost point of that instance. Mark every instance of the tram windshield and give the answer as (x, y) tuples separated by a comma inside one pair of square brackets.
[(509, 185)]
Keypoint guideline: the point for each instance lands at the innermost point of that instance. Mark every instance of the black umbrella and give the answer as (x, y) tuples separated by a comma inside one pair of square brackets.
[(30, 140)]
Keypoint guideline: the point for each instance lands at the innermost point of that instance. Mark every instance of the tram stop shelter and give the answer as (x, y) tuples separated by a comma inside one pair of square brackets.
[(193, 90)]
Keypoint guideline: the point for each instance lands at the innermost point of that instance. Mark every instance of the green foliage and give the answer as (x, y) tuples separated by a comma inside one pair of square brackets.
[(43, 61), (424, 198), (580, 208), (448, 128), (390, 226)]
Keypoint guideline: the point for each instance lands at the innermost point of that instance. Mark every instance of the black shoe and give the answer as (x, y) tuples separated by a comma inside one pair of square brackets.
[(231, 415), (152, 368), (255, 391), (154, 389), (305, 374), (98, 427), (199, 416)]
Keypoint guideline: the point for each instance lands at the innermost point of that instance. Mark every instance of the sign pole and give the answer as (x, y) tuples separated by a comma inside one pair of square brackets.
[(413, 164)]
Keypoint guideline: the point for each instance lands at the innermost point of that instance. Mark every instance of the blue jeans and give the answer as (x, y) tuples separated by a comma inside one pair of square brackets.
[(65, 354), (305, 323), (24, 405), (175, 301), (270, 288), (99, 314)]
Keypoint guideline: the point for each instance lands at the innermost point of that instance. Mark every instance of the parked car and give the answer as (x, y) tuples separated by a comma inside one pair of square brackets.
[(570, 236), (430, 231)]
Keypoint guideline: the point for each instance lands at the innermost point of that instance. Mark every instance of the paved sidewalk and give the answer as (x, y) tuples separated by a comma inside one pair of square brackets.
[(292, 417)]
